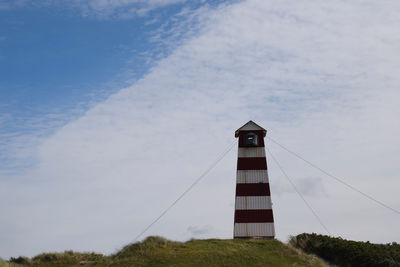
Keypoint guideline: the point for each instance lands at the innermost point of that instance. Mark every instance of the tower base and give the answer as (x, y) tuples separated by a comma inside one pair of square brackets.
[(255, 237)]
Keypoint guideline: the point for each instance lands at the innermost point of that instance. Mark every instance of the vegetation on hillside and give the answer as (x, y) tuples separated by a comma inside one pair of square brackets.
[(157, 251), (344, 253)]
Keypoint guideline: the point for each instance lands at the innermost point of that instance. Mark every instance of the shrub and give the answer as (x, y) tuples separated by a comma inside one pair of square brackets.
[(21, 260), (348, 253)]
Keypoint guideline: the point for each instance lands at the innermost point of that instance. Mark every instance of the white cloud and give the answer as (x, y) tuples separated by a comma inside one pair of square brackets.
[(6, 4), (321, 76), (102, 9), (199, 230), (119, 8)]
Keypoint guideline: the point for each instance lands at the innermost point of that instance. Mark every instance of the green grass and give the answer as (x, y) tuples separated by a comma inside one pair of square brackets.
[(4, 263), (157, 251)]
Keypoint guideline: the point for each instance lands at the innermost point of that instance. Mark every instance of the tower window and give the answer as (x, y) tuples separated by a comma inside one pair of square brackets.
[(251, 139)]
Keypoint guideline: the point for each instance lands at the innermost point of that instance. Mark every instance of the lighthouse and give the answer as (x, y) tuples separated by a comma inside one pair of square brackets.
[(253, 206)]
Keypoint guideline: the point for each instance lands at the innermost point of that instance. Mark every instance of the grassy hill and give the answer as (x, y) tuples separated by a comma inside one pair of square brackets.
[(344, 253), (157, 251)]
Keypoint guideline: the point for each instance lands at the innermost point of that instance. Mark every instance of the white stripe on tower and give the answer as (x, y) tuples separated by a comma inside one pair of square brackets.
[(253, 203), (252, 176), (253, 229), (251, 152), (253, 207)]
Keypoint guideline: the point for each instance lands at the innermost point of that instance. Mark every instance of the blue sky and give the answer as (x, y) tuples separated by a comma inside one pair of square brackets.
[(61, 57), (58, 59), (110, 109), (53, 57)]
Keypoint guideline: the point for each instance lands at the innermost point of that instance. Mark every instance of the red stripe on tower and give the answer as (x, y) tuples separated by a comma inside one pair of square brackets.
[(254, 216), (252, 163), (253, 207), (253, 189)]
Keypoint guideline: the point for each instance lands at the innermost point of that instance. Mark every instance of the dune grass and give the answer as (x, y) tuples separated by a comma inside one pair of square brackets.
[(158, 251), (4, 263)]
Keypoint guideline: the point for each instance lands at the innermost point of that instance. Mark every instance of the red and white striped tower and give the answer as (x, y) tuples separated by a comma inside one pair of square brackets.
[(253, 207)]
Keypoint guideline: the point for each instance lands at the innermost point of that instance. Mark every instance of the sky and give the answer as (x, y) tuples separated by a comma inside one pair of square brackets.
[(109, 110)]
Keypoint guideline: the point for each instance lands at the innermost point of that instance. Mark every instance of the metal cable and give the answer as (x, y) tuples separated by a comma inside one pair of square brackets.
[(219, 158), (299, 193), (337, 178)]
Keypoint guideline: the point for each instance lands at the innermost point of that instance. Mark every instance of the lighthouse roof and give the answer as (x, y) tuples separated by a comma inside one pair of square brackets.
[(250, 126)]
